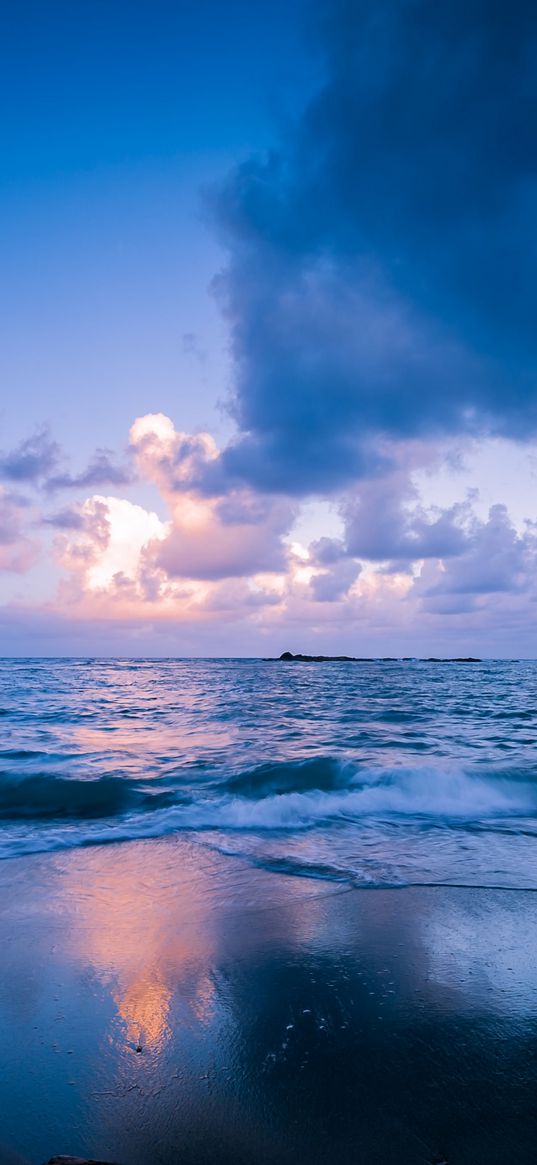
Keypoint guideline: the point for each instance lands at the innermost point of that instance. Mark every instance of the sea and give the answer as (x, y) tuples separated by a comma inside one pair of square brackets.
[(373, 774)]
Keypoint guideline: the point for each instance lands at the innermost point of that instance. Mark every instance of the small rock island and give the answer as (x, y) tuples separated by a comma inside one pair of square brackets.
[(288, 657)]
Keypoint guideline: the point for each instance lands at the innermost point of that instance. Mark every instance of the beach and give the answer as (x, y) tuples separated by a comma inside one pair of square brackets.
[(162, 1002), (268, 583)]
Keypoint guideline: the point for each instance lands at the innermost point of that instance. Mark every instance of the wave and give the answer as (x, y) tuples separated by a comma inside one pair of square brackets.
[(42, 796), (327, 773), (433, 794), (286, 796)]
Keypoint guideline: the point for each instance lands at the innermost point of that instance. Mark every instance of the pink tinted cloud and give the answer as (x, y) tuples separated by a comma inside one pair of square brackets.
[(233, 535), (401, 578), (18, 551)]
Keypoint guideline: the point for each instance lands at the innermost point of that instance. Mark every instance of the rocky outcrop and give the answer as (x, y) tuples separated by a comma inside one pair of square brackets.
[(77, 1161), (288, 657)]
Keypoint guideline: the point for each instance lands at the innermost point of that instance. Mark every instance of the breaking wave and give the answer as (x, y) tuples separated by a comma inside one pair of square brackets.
[(290, 797)]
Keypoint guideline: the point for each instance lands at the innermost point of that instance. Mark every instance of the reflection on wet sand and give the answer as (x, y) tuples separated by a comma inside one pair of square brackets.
[(144, 1007), (163, 1003), (143, 940)]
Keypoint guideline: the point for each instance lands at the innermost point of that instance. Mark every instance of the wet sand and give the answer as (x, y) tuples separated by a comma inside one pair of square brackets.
[(160, 1003)]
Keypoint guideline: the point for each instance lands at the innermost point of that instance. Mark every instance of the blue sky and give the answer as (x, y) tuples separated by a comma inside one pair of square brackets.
[(118, 115), (290, 250)]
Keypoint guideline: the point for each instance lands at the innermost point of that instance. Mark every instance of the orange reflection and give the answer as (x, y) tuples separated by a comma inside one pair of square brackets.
[(140, 737), (141, 919), (144, 1008)]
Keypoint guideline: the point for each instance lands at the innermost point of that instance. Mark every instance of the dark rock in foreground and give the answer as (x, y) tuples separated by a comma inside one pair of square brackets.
[(77, 1161), (287, 656)]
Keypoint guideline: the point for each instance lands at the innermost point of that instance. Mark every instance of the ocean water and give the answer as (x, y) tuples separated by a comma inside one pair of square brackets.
[(373, 774)]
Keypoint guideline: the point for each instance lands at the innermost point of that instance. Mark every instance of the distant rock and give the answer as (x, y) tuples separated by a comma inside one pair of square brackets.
[(288, 657), (456, 659)]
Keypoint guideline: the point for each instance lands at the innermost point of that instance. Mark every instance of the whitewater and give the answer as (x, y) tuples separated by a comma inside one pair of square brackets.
[(380, 773)]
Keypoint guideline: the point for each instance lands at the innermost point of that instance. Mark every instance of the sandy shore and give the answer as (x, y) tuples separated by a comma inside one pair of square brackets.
[(160, 1003)]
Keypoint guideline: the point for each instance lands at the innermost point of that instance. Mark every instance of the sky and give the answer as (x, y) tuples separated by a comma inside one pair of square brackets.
[(268, 343)]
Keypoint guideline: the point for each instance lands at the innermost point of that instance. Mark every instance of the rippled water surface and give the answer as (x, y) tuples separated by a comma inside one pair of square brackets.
[(381, 773)]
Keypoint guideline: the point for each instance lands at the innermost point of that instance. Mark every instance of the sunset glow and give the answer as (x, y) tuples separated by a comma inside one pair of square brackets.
[(304, 411)]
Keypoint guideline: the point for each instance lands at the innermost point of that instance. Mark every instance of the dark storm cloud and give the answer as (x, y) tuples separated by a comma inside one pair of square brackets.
[(382, 260)]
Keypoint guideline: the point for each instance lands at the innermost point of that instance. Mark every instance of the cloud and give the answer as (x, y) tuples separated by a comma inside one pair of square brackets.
[(238, 596), (202, 546), (173, 460), (18, 552), (101, 470), (496, 559), (326, 551), (332, 585), (231, 555), (35, 462), (32, 460), (211, 553), (211, 536), (378, 286), (385, 520), (104, 547), (379, 283), (219, 575), (69, 518)]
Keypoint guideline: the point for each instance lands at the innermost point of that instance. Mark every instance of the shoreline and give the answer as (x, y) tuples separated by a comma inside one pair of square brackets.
[(160, 1002)]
